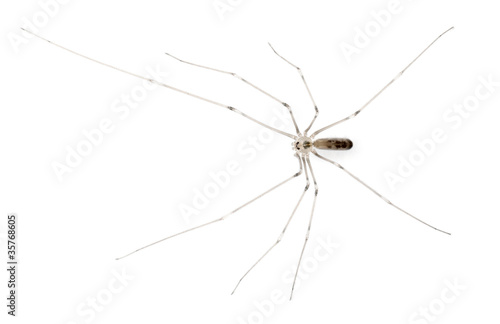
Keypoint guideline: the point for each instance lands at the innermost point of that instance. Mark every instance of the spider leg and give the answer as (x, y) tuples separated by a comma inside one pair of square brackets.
[(307, 88), (245, 81), (282, 232), (382, 90), (375, 192), (223, 217), (166, 86), (309, 226)]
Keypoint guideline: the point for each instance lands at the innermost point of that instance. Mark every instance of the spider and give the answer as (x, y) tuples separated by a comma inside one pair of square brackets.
[(304, 145)]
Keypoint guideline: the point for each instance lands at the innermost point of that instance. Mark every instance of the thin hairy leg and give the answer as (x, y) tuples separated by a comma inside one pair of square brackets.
[(375, 192), (223, 217), (282, 232)]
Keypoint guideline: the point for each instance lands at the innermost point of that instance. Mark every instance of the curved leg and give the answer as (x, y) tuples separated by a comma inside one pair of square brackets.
[(247, 82), (382, 90), (223, 217), (307, 87), (166, 86), (375, 192), (310, 222), (282, 232)]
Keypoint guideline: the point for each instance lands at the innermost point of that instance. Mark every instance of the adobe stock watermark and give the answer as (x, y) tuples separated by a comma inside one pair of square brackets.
[(49, 9), (219, 180), (323, 250), (453, 118), (222, 7), (121, 108), (363, 36), (89, 309), (436, 307)]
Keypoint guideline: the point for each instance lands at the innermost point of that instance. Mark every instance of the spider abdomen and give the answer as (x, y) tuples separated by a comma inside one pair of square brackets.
[(333, 144)]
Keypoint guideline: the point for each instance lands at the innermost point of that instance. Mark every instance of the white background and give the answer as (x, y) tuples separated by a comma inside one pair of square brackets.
[(128, 190)]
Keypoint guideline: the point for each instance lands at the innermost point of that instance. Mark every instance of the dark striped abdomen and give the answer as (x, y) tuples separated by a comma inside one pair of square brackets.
[(333, 144)]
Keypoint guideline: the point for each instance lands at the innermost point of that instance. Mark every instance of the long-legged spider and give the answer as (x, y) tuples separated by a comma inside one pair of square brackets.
[(303, 144)]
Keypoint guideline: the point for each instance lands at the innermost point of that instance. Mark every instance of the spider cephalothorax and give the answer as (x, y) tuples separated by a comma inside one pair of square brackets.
[(303, 145)]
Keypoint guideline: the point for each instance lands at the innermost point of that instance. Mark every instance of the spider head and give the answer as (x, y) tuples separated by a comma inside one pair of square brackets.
[(303, 145)]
